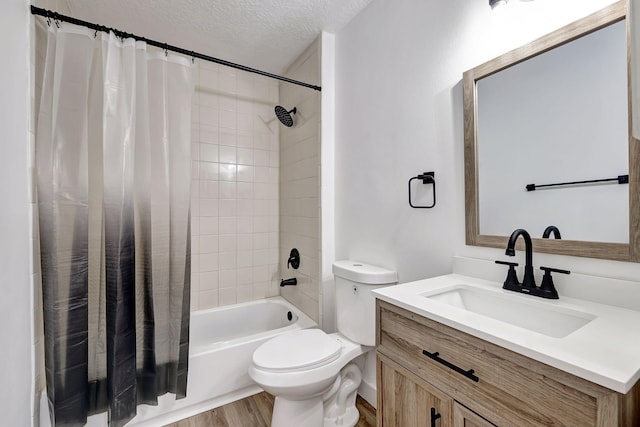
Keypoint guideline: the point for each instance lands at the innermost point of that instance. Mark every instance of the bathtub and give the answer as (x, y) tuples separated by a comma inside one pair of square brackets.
[(222, 341)]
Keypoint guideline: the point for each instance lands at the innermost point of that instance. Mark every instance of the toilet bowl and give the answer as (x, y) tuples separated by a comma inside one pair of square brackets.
[(303, 370), (314, 375)]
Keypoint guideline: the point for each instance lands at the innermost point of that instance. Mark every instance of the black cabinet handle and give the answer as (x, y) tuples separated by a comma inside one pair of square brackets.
[(435, 356), (434, 417)]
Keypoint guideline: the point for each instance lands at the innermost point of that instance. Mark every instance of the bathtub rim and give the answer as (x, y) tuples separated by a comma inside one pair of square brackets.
[(303, 322)]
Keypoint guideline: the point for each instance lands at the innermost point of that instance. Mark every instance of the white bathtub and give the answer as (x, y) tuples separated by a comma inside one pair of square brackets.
[(222, 341)]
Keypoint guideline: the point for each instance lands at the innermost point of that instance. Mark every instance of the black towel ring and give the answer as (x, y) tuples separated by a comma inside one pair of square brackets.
[(427, 178)]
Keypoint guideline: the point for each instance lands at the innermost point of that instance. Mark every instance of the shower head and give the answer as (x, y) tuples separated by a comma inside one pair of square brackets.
[(285, 116)]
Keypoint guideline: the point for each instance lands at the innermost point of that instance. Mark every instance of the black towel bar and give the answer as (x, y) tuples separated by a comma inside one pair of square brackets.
[(621, 179)]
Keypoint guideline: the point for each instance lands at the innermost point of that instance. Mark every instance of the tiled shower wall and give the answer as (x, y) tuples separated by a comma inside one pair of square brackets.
[(300, 184), (235, 171)]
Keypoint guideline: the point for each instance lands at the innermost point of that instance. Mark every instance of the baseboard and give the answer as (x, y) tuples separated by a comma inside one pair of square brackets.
[(368, 393)]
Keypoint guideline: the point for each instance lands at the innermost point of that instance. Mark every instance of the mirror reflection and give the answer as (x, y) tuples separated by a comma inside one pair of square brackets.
[(561, 116)]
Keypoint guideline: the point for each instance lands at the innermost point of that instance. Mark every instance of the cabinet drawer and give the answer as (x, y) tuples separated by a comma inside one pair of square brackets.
[(511, 390)]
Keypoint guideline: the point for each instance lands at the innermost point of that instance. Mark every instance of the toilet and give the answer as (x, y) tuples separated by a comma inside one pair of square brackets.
[(314, 375)]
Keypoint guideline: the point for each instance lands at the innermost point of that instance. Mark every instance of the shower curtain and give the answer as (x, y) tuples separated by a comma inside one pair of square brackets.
[(113, 176)]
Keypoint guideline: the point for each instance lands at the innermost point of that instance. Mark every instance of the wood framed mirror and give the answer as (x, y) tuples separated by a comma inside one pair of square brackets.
[(554, 111)]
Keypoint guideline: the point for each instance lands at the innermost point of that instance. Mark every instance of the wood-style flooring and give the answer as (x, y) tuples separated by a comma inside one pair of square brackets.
[(255, 411)]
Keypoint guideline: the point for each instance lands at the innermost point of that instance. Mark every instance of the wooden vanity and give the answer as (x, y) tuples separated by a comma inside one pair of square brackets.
[(429, 374)]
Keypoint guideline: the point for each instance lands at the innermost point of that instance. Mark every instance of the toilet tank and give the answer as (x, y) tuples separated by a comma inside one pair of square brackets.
[(355, 304)]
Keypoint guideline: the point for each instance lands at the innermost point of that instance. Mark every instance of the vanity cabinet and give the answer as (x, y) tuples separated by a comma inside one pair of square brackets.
[(409, 401), (463, 417), (423, 364)]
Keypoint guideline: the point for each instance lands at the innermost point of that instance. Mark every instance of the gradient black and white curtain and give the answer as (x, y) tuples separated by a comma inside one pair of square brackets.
[(113, 175)]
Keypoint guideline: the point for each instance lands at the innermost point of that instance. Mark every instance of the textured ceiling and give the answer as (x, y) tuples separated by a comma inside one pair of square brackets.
[(264, 34)]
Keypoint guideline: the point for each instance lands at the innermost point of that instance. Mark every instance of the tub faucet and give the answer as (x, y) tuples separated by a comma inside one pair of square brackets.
[(529, 281)]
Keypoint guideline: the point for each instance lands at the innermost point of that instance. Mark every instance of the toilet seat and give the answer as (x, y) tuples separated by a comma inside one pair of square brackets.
[(297, 351)]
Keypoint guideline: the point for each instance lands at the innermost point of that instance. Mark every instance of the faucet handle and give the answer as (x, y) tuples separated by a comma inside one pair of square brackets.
[(510, 264), (511, 282), (547, 289)]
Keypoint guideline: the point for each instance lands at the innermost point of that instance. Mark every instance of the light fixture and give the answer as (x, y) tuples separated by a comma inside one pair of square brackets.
[(496, 3)]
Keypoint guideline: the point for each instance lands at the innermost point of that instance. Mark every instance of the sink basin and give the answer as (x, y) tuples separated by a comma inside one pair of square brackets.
[(516, 310)]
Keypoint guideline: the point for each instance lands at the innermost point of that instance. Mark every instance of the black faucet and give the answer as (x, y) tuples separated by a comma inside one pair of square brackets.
[(551, 229), (528, 286), (529, 282)]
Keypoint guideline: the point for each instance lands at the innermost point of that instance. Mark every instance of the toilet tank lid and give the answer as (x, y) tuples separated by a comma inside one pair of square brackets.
[(364, 273)]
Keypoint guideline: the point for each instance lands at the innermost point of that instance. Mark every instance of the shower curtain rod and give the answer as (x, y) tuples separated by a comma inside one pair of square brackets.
[(58, 17)]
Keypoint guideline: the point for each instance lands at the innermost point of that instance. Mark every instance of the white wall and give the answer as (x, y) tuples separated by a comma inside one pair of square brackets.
[(234, 206), (15, 276), (399, 112)]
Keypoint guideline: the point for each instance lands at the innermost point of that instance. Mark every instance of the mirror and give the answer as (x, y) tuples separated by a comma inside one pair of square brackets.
[(552, 112)]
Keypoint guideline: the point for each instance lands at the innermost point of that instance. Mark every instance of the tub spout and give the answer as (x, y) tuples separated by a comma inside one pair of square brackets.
[(288, 282)]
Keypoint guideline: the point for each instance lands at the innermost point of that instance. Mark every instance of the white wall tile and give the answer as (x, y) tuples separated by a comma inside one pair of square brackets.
[(261, 273), (245, 191), (208, 244), (208, 152), (244, 242), (209, 225), (294, 181), (227, 260), (209, 79), (228, 225), (245, 259), (245, 224), (245, 139), (209, 117), (245, 121), (208, 299), (208, 171), (209, 281), (227, 172), (245, 173), (227, 278), (228, 243), (245, 207), (208, 262), (227, 207), (245, 156), (261, 241), (244, 293), (209, 136), (227, 119), (208, 189), (227, 137), (261, 157), (228, 81), (227, 190), (233, 115), (209, 100), (209, 207), (227, 296), (244, 276)]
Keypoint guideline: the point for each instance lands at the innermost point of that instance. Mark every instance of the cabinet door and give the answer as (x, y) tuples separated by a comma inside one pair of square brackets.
[(405, 400), (464, 417)]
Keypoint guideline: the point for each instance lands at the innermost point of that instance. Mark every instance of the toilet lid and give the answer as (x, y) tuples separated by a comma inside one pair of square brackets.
[(297, 350)]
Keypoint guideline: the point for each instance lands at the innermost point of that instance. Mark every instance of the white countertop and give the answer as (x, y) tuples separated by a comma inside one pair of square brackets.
[(605, 351)]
